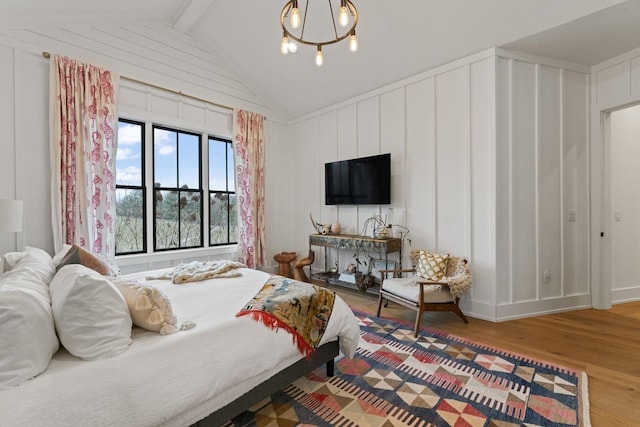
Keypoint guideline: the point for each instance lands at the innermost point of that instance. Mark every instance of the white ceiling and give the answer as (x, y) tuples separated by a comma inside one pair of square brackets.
[(397, 39)]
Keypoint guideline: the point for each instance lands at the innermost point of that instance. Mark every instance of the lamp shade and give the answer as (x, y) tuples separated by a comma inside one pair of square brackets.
[(10, 215)]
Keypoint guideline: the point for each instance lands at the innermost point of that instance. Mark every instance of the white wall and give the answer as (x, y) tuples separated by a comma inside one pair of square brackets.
[(615, 84), (439, 129), (489, 154), (542, 186), (152, 54)]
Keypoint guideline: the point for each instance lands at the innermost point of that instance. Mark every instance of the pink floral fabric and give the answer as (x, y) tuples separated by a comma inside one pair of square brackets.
[(83, 152), (248, 149)]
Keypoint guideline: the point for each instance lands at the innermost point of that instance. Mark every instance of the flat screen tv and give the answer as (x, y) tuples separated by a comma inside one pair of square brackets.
[(361, 181)]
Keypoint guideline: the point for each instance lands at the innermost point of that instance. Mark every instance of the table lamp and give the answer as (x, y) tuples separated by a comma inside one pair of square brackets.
[(10, 215)]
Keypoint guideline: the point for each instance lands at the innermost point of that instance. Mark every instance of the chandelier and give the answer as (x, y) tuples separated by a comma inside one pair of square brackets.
[(294, 27)]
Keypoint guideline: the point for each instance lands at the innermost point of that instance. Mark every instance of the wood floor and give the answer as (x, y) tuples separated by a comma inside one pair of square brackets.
[(603, 343)]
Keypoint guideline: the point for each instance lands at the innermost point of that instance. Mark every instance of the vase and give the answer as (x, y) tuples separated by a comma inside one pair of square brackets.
[(336, 228)]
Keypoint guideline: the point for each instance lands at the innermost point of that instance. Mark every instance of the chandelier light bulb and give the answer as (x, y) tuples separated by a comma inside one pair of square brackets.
[(284, 47), (344, 16), (295, 16), (353, 42), (293, 48), (319, 59)]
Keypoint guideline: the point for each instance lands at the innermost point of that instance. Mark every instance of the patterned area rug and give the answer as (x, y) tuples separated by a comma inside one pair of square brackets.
[(434, 380)]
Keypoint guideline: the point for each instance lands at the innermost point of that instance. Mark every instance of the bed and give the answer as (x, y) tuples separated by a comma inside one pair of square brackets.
[(200, 376)]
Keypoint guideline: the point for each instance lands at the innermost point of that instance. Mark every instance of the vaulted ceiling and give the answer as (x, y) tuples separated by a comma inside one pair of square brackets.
[(397, 39)]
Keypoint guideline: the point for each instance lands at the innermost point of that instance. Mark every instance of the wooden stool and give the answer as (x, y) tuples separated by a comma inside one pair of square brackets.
[(298, 268), (284, 260)]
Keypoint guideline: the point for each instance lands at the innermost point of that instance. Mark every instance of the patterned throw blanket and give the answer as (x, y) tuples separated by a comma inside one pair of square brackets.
[(300, 308), (197, 270)]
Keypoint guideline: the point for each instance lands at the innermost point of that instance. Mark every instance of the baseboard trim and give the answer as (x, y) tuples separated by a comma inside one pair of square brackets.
[(538, 308)]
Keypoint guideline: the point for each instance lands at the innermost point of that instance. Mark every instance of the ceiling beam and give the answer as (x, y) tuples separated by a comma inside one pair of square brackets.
[(189, 13)]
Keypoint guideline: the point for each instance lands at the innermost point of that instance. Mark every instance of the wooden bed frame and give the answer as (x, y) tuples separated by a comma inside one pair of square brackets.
[(324, 354)]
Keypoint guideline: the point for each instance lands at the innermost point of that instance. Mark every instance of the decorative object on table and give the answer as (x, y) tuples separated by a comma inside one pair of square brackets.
[(320, 228), (336, 228), (366, 279), (436, 292), (379, 227), (350, 276), (316, 225), (284, 260), (437, 379), (298, 268), (334, 269)]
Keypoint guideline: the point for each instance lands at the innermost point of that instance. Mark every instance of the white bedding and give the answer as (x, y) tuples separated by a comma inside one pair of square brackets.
[(172, 380)]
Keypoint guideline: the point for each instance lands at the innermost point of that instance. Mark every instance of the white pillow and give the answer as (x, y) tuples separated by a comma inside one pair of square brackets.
[(9, 260), (91, 316), (27, 334), (150, 308)]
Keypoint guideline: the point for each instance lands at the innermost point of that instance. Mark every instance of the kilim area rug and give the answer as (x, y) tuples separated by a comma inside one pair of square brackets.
[(435, 380)]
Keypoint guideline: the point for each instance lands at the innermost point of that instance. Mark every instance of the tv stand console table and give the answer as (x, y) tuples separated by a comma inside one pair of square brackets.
[(355, 243)]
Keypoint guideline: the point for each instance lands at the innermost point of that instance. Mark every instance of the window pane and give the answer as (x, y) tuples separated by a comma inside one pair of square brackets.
[(218, 218), (233, 218), (231, 175), (189, 158), (217, 165), (129, 154), (190, 224), (166, 220), (129, 221), (165, 158)]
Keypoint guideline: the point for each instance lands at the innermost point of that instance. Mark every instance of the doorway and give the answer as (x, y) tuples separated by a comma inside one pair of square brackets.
[(621, 207)]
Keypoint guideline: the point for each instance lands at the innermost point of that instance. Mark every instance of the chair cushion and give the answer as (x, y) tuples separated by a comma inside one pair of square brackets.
[(408, 289), (432, 266)]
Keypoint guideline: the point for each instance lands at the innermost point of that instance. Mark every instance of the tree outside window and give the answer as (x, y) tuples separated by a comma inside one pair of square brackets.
[(223, 210), (177, 189), (130, 224)]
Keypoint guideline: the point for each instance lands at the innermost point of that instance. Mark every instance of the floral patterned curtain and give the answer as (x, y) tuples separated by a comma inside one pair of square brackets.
[(83, 121), (248, 148)]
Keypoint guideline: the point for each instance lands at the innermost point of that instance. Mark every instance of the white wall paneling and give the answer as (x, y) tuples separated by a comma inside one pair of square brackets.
[(541, 157), (7, 139), (575, 214), (483, 158), (437, 152), (523, 165), (483, 184), (550, 167), (419, 194)]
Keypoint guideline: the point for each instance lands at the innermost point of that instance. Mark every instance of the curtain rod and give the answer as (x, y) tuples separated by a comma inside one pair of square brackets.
[(177, 92)]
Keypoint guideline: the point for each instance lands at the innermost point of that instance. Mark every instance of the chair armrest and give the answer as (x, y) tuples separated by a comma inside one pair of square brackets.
[(430, 282), (405, 270)]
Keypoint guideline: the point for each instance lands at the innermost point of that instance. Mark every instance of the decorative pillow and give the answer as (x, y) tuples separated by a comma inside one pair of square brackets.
[(9, 260), (27, 335), (432, 266), (78, 255), (91, 315), (150, 308)]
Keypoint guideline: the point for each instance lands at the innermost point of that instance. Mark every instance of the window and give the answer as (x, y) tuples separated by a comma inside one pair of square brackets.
[(130, 195), (223, 213), (171, 214), (177, 220)]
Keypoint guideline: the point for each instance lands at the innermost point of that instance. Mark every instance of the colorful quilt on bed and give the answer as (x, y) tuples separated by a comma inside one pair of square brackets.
[(300, 308)]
